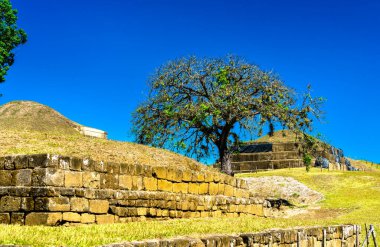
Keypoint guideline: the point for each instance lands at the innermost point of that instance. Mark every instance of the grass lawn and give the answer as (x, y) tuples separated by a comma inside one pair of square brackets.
[(351, 197)]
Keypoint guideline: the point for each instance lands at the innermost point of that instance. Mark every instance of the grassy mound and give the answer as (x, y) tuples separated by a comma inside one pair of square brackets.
[(31, 128)]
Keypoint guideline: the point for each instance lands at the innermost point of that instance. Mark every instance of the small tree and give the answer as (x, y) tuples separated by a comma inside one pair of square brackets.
[(195, 105), (10, 37)]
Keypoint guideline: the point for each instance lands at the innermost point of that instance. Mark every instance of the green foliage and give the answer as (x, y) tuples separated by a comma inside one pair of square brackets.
[(307, 161), (208, 104), (11, 37)]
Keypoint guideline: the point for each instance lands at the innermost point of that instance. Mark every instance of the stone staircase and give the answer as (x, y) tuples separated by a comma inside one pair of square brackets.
[(279, 155)]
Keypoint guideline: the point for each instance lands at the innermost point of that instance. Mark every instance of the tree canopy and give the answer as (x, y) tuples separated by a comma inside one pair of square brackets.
[(197, 105), (10, 37)]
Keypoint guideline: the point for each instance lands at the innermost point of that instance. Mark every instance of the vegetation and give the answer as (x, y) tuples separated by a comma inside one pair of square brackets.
[(198, 105), (10, 37), (351, 198)]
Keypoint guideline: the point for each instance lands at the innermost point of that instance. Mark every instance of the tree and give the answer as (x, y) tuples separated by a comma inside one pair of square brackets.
[(196, 105), (11, 37)]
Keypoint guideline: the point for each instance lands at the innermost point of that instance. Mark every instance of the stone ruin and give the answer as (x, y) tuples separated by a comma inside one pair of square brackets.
[(258, 156), (54, 190)]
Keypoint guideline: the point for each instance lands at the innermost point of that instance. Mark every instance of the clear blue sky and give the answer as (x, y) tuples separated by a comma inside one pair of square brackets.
[(90, 60)]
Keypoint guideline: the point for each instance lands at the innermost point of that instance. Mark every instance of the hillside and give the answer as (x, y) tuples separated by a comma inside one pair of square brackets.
[(28, 127)]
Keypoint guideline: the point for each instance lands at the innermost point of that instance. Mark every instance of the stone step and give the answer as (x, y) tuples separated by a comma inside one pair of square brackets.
[(265, 156), (265, 165)]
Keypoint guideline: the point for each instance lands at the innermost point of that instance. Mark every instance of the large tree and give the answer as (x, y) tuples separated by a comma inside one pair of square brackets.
[(10, 37), (196, 105)]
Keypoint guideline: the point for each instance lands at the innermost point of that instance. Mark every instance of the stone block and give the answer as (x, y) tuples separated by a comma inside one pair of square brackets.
[(38, 160), (221, 189), (109, 181), (27, 204), (22, 177), (5, 218), (91, 179), (193, 188), (160, 172), (150, 183), (124, 169), (58, 204), (105, 219), (79, 204), (87, 218), (125, 182), (100, 166), (73, 179), (137, 183), (213, 188), (180, 188), (164, 185), (88, 165), (10, 204), (112, 167), (229, 190), (50, 219), (203, 188), (64, 163), (174, 174), (187, 175), (76, 164), (48, 177), (71, 217), (99, 206), (5, 178)]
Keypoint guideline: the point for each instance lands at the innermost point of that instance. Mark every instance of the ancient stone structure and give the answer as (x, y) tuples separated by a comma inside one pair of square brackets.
[(266, 156), (339, 236), (92, 132), (53, 190)]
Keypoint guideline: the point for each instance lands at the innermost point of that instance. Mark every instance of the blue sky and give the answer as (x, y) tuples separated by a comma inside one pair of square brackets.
[(90, 60)]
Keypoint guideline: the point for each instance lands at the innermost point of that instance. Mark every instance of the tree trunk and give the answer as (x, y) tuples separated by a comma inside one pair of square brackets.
[(225, 160)]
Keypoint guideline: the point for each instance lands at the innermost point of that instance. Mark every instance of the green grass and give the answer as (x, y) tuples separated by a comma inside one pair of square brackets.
[(350, 198)]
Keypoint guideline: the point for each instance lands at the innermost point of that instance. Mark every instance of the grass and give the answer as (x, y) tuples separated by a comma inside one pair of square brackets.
[(350, 198)]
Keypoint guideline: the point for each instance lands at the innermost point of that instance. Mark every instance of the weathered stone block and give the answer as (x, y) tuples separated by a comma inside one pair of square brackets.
[(79, 204), (229, 190), (187, 175), (22, 177), (87, 218), (50, 219), (137, 183), (17, 219), (5, 218), (71, 217), (180, 188), (164, 185), (109, 181), (73, 179), (105, 219), (38, 160), (160, 172), (27, 204), (58, 204), (91, 179), (203, 188), (125, 182), (150, 183), (213, 188), (99, 206), (88, 165), (76, 164), (194, 188), (10, 204), (112, 167), (5, 178), (48, 177), (100, 166)]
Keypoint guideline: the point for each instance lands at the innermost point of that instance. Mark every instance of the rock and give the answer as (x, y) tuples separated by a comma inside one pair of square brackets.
[(285, 188)]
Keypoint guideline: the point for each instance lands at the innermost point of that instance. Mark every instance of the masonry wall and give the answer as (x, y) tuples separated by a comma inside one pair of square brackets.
[(332, 236), (53, 190)]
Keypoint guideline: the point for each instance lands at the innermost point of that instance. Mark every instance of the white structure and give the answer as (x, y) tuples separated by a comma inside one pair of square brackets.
[(87, 131)]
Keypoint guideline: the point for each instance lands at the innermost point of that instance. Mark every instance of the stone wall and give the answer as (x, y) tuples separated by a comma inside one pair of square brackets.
[(281, 155), (53, 190), (339, 236)]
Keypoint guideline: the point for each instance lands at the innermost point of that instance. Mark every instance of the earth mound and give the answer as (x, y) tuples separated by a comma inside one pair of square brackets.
[(28, 127)]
